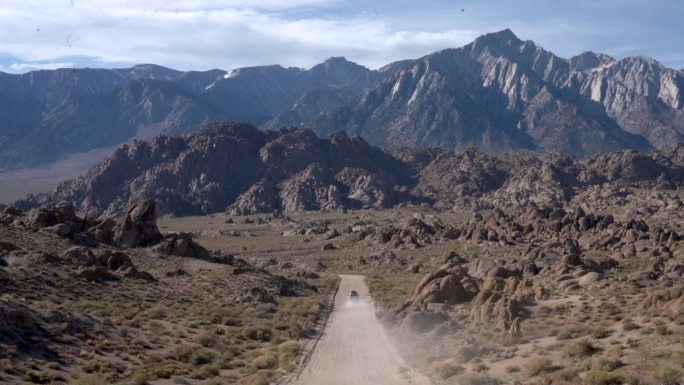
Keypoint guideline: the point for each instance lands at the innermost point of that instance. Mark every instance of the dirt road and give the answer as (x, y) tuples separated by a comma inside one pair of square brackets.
[(354, 348)]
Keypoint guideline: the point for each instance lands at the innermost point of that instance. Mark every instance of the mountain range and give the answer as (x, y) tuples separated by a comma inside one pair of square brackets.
[(498, 93), (236, 167)]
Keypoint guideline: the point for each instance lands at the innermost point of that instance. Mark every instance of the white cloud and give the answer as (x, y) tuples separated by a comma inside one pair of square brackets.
[(205, 34), (226, 34), (22, 67)]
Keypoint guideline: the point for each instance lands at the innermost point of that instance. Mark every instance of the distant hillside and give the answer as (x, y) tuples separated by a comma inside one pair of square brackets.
[(236, 167), (45, 115)]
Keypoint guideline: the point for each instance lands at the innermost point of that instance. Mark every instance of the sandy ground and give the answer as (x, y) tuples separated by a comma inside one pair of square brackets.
[(354, 348)]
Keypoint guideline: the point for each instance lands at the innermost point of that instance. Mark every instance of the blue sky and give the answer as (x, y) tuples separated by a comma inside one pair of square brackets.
[(226, 34)]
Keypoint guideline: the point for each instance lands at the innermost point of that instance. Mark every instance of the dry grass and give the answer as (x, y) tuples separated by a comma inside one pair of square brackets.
[(477, 379), (538, 366), (580, 348), (445, 369), (600, 332), (468, 353), (602, 377)]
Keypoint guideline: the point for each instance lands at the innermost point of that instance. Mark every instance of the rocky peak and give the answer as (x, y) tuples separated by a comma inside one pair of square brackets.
[(641, 64), (493, 40), (518, 67), (637, 72), (633, 81), (589, 61), (397, 66), (149, 71), (338, 71), (252, 73), (505, 45)]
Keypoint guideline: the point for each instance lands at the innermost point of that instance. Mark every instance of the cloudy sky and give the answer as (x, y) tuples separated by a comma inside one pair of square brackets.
[(225, 34)]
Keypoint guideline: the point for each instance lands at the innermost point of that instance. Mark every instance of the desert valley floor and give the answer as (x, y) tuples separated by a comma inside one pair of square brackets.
[(538, 295)]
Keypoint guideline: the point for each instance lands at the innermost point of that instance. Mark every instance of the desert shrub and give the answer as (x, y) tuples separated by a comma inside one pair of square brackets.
[(38, 377), (658, 321), (538, 365), (666, 374), (257, 333), (91, 379), (289, 347), (89, 305), (567, 375), (217, 381), (152, 359), (466, 353), (606, 363), (296, 330), (130, 312), (6, 365), (313, 312), (282, 326), (232, 321), (477, 379), (628, 324), (263, 311), (581, 348), (570, 332), (512, 369), (661, 329), (105, 367), (138, 377), (287, 361), (208, 339), (266, 362), (182, 353), (216, 317), (602, 377), (563, 334), (205, 372), (288, 355), (262, 377), (446, 369), (167, 371), (247, 370), (157, 312), (202, 356), (182, 381), (600, 332)]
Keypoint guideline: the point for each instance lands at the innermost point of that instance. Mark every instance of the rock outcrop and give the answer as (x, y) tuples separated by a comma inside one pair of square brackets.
[(669, 301), (138, 226), (495, 300), (235, 167), (524, 256), (445, 285), (181, 244)]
